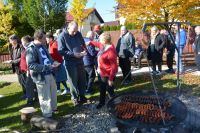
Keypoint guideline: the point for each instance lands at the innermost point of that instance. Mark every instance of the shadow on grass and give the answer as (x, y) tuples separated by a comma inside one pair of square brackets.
[(3, 84)]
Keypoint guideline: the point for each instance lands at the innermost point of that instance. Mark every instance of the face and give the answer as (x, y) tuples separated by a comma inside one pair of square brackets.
[(123, 32), (153, 32), (13, 42), (197, 30), (72, 30), (48, 40), (23, 43)]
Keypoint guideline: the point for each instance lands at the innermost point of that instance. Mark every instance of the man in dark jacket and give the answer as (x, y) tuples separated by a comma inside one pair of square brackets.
[(16, 51), (197, 47), (71, 45), (125, 49)]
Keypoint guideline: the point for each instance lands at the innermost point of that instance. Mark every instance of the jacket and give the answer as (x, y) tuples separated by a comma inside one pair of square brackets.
[(197, 44), (53, 51), (35, 63), (68, 45), (15, 57), (183, 38), (107, 61), (126, 45)]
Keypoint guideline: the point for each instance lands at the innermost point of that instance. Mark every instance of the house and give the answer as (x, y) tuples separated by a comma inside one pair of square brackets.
[(91, 18)]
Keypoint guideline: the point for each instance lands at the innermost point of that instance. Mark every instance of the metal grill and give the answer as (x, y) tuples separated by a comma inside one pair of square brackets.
[(176, 109)]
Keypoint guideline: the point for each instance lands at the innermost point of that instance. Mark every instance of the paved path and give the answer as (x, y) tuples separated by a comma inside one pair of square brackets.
[(135, 71)]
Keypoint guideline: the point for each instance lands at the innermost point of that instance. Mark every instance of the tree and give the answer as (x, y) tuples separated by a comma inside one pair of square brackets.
[(77, 10), (6, 28), (138, 11), (45, 14)]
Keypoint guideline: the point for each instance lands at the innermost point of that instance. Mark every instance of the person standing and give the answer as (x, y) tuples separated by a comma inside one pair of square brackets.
[(197, 47), (60, 73), (180, 47), (89, 62), (16, 51), (156, 50), (31, 90), (107, 67), (41, 69), (170, 51), (125, 50), (71, 45)]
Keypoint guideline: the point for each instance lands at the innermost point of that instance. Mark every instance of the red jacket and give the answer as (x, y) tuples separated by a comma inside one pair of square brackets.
[(53, 50), (23, 65), (107, 61)]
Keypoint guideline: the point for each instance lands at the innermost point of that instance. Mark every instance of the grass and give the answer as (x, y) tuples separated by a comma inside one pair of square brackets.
[(10, 103)]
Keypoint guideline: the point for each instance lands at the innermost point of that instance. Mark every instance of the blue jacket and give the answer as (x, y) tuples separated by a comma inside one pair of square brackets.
[(183, 38), (68, 45), (91, 54), (35, 63)]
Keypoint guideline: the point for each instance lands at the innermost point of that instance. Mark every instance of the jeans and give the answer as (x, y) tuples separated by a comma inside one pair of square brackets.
[(180, 60), (90, 76)]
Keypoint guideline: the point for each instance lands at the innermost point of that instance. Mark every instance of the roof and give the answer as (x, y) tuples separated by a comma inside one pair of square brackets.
[(86, 13), (111, 23)]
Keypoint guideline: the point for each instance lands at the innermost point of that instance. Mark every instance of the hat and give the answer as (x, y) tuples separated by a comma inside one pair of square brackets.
[(97, 28)]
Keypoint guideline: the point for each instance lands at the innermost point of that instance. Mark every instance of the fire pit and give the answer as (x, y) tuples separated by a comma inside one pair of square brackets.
[(140, 109)]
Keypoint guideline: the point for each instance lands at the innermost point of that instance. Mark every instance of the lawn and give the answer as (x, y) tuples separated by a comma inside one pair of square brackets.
[(10, 104)]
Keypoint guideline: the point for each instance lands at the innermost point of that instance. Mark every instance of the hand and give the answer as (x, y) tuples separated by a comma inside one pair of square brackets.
[(7, 62), (83, 53), (110, 83)]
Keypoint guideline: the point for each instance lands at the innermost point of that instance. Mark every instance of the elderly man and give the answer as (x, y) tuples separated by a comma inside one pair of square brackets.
[(197, 47), (71, 45), (125, 49)]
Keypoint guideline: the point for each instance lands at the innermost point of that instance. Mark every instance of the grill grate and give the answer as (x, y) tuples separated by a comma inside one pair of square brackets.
[(128, 109)]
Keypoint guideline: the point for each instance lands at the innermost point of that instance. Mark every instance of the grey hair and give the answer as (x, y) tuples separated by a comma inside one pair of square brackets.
[(155, 28), (73, 24), (123, 28)]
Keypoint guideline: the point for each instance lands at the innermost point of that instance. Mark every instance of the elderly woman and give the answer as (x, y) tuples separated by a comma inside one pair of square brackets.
[(156, 50), (107, 66)]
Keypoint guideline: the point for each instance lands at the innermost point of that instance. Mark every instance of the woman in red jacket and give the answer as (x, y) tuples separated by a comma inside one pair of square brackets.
[(107, 66)]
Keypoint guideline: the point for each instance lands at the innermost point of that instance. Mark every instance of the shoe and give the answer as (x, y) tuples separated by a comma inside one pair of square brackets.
[(159, 73), (55, 111), (29, 104), (58, 92), (75, 102), (126, 82), (154, 72), (100, 105), (82, 99), (65, 92)]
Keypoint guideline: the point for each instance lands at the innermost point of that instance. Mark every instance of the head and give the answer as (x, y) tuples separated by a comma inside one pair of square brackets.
[(72, 28), (13, 39), (26, 40), (49, 37), (123, 30), (105, 38), (90, 35), (40, 36), (164, 32), (97, 28), (197, 30), (154, 30)]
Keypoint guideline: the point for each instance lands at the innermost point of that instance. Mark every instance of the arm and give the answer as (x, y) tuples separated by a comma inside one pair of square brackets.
[(96, 44), (131, 44), (33, 63), (112, 57)]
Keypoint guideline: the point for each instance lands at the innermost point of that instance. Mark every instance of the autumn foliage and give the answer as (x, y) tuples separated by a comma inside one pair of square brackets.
[(140, 11)]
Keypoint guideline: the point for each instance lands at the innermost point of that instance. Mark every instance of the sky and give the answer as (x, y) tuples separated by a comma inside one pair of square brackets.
[(104, 7)]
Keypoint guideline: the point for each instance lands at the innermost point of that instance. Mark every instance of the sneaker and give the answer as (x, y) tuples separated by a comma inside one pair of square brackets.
[(88, 92), (65, 92), (58, 92), (159, 73), (100, 105), (23, 97)]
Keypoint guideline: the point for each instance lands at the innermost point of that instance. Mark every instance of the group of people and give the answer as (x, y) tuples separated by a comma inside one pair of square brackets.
[(76, 59)]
